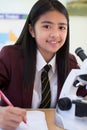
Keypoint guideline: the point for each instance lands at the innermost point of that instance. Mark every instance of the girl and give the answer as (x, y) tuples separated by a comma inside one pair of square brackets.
[(44, 40)]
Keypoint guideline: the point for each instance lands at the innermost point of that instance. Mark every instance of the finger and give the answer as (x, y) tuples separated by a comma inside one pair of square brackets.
[(17, 111), (20, 112), (12, 117), (10, 125), (15, 114)]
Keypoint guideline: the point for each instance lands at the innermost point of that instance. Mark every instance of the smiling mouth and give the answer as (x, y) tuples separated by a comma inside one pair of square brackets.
[(54, 42)]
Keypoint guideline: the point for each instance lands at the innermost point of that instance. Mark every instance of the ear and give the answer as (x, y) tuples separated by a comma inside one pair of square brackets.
[(31, 30)]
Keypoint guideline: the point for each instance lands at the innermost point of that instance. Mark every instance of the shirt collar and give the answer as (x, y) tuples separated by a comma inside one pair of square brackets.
[(41, 62)]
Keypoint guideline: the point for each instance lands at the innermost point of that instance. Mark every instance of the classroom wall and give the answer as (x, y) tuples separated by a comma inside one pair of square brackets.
[(11, 27)]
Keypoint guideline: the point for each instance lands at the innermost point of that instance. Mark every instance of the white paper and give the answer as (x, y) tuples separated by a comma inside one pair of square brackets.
[(35, 121)]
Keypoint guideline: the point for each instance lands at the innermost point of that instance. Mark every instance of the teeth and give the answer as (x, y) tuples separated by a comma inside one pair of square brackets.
[(53, 42)]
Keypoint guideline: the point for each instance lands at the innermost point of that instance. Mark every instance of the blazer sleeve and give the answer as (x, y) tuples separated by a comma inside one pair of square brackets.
[(73, 64), (4, 67)]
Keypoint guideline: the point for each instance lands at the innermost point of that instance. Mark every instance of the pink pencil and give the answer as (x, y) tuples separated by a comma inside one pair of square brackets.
[(8, 102), (5, 98)]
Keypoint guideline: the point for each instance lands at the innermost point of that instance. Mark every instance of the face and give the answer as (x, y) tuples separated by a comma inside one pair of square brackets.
[(50, 32)]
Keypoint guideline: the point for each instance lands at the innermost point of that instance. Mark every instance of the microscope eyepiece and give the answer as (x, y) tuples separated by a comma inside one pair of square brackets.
[(80, 52)]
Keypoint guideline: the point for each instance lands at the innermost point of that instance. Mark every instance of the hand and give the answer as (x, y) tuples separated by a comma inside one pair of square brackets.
[(85, 98), (10, 117)]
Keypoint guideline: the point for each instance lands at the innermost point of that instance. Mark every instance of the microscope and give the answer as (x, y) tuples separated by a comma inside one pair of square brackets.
[(71, 110)]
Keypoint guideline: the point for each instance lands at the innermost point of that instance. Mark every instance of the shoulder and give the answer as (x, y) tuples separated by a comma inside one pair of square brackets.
[(73, 64), (10, 50), (72, 58), (11, 54)]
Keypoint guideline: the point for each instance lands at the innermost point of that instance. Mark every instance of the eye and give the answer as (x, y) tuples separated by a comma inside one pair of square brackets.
[(47, 26), (62, 28)]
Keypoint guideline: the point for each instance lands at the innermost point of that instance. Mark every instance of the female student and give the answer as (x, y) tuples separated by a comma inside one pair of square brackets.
[(43, 40)]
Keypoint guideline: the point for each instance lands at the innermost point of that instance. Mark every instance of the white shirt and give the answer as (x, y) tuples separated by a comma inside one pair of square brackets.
[(37, 84)]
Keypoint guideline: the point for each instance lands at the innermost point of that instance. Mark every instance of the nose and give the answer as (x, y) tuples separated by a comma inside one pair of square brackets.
[(55, 33)]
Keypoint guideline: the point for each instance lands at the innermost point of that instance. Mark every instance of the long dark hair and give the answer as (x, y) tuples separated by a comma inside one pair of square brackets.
[(29, 46)]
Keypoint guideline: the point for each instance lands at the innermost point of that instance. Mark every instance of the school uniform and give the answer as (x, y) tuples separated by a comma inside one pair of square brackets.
[(11, 79)]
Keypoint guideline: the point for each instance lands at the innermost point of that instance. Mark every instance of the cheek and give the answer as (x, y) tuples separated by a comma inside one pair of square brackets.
[(40, 36), (64, 35)]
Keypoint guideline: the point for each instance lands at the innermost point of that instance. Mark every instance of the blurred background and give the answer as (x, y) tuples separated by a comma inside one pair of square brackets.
[(13, 14)]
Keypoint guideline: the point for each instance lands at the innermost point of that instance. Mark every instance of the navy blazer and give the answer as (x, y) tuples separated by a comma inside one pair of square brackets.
[(11, 77)]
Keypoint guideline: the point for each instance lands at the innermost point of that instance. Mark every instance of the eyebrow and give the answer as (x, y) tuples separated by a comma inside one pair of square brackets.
[(53, 23)]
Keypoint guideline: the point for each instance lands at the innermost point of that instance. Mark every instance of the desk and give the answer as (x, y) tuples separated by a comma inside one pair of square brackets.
[(50, 118)]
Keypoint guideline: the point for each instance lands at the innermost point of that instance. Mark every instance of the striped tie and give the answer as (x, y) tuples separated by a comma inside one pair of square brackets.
[(46, 92)]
